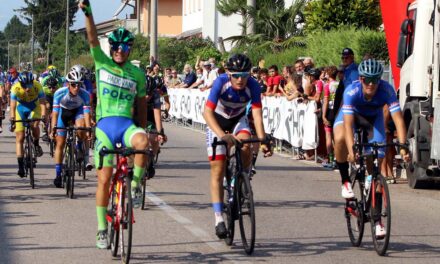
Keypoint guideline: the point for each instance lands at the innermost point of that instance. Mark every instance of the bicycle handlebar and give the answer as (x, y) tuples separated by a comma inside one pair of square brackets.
[(72, 128), (120, 151), (238, 144), (376, 145), (27, 120)]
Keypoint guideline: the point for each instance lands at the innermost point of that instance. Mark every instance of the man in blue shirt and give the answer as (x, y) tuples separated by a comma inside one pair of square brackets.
[(190, 76), (351, 69)]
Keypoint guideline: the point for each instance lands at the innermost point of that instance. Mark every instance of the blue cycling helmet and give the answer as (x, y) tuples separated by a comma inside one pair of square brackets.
[(26, 78), (370, 68)]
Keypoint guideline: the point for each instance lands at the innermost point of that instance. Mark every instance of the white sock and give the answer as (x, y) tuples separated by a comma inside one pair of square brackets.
[(218, 218)]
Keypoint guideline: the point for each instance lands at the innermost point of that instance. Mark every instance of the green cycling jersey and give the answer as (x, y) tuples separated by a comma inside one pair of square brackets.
[(47, 91), (117, 87)]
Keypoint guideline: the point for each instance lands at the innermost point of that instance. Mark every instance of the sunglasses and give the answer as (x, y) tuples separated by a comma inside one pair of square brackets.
[(237, 75), (345, 57), (75, 84), (118, 45), (368, 80)]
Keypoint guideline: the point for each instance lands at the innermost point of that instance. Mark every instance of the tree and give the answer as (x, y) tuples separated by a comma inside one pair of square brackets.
[(16, 30), (77, 46), (330, 14), (3, 50), (45, 12)]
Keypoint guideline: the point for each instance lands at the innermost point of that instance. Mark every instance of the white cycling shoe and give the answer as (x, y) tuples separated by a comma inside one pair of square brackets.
[(347, 191), (379, 230)]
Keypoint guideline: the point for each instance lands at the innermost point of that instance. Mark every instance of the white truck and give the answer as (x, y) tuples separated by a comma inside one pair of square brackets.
[(418, 58)]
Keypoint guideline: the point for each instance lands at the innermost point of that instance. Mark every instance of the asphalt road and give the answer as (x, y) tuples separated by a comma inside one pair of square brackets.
[(299, 214)]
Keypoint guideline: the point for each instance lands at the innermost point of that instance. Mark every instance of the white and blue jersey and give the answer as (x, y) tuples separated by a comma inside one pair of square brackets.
[(230, 103)]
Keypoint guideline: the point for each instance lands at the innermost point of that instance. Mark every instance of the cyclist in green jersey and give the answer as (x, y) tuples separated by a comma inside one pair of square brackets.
[(120, 87), (52, 73)]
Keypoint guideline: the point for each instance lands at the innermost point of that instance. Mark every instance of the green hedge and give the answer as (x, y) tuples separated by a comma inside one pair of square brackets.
[(325, 47)]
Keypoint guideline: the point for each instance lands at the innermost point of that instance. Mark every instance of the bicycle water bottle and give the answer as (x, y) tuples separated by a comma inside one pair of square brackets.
[(368, 182)]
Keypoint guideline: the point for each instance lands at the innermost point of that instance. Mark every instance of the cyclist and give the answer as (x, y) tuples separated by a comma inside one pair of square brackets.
[(366, 98), (27, 102), (46, 73), (52, 73), (51, 86), (225, 116), (154, 123), (11, 80), (120, 86), (71, 104)]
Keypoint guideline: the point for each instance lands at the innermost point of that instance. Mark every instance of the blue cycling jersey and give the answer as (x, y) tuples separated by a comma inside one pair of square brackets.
[(354, 101), (63, 99)]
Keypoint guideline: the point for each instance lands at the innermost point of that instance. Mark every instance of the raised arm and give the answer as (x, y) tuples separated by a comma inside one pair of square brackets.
[(92, 35)]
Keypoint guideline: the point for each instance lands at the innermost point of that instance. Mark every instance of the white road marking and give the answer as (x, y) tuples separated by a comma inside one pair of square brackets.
[(191, 227)]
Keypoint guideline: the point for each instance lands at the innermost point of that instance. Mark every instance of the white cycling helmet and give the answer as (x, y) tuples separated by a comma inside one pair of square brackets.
[(79, 68), (74, 75)]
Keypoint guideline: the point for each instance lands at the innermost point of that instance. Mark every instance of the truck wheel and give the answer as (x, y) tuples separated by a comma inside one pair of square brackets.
[(416, 130)]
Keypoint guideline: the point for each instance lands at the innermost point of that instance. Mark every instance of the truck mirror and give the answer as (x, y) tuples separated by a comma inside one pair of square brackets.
[(405, 41)]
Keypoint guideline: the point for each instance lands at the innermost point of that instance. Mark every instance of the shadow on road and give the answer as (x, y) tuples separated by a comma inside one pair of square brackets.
[(298, 204)]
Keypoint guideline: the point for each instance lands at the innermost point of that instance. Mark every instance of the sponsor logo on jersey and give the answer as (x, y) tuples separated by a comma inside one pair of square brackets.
[(114, 80), (117, 95)]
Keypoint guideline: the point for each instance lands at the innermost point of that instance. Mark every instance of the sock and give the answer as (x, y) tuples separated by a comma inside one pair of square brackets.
[(218, 209), (138, 172), (20, 161), (58, 169), (101, 212), (343, 170)]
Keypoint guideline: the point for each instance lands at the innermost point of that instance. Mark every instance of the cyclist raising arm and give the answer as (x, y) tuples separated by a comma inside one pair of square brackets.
[(120, 85), (225, 114)]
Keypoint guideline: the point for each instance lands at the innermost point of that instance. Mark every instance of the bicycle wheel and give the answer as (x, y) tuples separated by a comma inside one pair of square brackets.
[(228, 211), (126, 221), (354, 212), (30, 160), (246, 212), (156, 158), (144, 189), (380, 212), (112, 225)]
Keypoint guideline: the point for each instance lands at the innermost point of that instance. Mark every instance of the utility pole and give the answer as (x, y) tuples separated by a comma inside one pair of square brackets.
[(19, 56), (251, 24), (66, 62), (48, 44), (153, 30), (32, 44), (138, 16), (8, 53)]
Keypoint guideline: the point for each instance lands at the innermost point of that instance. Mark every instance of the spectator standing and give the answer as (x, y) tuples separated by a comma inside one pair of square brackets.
[(199, 81), (299, 67), (328, 114), (274, 81), (190, 76), (264, 73), (175, 80), (308, 62), (350, 68), (209, 76)]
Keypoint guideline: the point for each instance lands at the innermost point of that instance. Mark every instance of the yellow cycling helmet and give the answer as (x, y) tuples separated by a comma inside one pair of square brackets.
[(50, 67)]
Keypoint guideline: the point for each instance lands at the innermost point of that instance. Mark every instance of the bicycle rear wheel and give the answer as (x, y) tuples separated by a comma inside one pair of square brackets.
[(380, 212), (30, 160), (112, 227), (354, 212), (70, 170), (246, 213), (228, 211), (144, 189), (126, 221)]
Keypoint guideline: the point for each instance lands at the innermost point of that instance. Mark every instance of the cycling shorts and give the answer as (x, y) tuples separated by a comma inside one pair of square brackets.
[(26, 111), (111, 131), (242, 126), (66, 116), (376, 133)]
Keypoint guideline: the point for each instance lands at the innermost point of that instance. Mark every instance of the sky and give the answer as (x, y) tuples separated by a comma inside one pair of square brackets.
[(102, 10)]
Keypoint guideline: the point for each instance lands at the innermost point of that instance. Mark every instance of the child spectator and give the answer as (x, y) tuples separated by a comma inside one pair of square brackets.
[(274, 81)]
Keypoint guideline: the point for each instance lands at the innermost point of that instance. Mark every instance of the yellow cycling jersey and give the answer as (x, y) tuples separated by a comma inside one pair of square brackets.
[(19, 94)]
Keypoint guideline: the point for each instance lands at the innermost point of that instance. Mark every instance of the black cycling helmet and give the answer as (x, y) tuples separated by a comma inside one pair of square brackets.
[(313, 72), (52, 82), (238, 63)]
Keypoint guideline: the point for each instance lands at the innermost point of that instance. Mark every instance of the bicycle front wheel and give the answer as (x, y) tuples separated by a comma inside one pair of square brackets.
[(126, 222), (354, 213), (71, 173), (246, 213), (112, 227), (228, 211), (144, 189), (380, 212), (30, 160)]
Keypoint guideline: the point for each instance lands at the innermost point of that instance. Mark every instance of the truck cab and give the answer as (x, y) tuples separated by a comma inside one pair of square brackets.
[(418, 59)]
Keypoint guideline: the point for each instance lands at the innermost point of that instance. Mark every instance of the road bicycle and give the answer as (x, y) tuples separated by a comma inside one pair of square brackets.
[(73, 158), (120, 215), (29, 156), (371, 201), (238, 195)]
